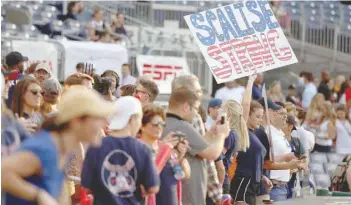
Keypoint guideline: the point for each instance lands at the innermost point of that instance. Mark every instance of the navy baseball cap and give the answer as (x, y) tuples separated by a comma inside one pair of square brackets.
[(292, 87), (215, 102), (14, 58), (271, 105)]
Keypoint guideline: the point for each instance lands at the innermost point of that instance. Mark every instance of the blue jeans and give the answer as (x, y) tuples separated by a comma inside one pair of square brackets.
[(279, 192)]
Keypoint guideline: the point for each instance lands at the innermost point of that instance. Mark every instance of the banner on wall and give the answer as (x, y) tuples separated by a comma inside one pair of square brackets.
[(103, 56), (38, 51), (163, 69), (239, 39)]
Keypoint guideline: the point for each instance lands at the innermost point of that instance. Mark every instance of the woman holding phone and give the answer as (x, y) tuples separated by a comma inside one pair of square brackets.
[(166, 152)]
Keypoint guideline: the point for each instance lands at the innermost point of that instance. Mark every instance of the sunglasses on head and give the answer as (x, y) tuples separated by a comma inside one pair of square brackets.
[(36, 92), (161, 123), (52, 93)]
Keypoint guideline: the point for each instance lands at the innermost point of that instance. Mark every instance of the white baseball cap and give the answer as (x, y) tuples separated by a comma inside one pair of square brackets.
[(43, 66), (126, 107)]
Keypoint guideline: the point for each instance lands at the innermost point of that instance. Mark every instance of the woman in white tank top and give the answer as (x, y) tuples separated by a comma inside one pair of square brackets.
[(326, 132), (343, 127), (96, 25)]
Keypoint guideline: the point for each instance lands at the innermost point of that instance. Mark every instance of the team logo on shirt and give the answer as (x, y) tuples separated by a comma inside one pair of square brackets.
[(119, 174), (11, 142)]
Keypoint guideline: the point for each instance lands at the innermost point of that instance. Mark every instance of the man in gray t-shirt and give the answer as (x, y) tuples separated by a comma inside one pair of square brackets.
[(183, 107), (192, 192)]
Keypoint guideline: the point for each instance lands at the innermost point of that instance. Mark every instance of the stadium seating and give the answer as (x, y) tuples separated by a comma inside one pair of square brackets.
[(322, 181), (316, 13), (322, 167), (330, 167), (319, 158), (335, 158), (317, 168)]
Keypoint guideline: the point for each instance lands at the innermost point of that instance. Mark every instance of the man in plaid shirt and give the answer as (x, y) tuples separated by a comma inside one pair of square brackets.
[(214, 187)]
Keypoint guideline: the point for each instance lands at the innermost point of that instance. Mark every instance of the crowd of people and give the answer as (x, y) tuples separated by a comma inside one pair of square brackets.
[(102, 138), (98, 29)]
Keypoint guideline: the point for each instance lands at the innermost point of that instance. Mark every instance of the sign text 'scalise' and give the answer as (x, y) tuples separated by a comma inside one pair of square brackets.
[(240, 38)]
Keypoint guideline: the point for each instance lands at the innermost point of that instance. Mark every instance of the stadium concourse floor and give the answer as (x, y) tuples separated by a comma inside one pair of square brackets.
[(313, 200)]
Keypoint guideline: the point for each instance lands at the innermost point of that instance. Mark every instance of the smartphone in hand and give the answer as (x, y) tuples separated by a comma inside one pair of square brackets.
[(222, 115), (181, 136), (222, 120)]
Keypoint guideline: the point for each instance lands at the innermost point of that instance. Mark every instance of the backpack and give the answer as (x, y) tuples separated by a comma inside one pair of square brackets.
[(339, 181)]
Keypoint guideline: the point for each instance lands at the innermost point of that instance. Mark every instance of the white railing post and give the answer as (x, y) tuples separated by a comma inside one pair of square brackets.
[(302, 29), (151, 13), (303, 39), (140, 43), (335, 47)]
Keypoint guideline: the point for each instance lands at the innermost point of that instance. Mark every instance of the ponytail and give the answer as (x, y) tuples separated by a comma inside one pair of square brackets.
[(237, 122)]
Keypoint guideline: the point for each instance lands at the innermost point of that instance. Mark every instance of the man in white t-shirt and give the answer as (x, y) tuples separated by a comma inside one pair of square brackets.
[(309, 92), (212, 110), (282, 151), (231, 91)]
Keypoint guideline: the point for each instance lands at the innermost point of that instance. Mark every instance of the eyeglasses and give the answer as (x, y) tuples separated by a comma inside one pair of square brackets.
[(143, 92), (161, 123), (36, 92), (52, 93)]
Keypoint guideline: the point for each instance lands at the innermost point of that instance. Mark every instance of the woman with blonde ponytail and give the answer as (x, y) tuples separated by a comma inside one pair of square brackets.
[(250, 158), (237, 140), (237, 123)]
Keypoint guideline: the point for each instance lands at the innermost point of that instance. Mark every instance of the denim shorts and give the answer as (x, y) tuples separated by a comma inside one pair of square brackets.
[(279, 192)]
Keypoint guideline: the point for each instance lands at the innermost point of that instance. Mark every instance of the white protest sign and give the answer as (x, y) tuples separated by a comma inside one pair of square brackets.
[(238, 39), (104, 56), (163, 69), (38, 51)]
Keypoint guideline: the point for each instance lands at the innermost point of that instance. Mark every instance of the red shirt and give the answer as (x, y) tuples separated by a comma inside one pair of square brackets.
[(348, 94)]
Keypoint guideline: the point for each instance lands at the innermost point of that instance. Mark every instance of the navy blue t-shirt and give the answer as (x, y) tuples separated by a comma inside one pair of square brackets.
[(115, 171), (262, 136), (231, 145), (256, 92), (168, 189), (250, 163), (12, 90), (12, 134), (51, 179)]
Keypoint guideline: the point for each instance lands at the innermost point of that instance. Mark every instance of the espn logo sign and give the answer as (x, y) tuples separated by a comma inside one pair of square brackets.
[(161, 72)]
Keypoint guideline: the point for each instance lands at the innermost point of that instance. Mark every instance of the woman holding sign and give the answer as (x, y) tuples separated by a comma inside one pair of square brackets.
[(248, 175)]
